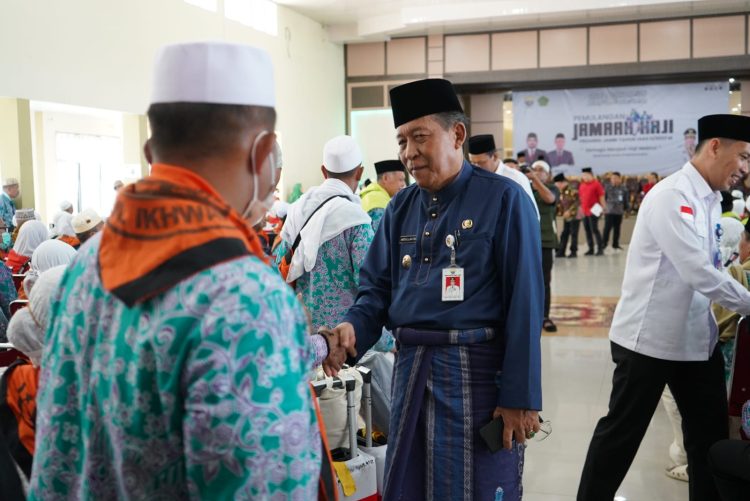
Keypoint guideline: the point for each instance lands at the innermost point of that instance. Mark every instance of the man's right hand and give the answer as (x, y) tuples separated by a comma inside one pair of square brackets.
[(341, 342)]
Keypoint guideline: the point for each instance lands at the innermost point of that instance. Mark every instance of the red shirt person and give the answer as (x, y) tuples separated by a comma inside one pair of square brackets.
[(591, 193)]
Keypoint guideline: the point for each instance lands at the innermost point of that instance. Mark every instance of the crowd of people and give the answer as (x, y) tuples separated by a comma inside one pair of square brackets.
[(169, 352)]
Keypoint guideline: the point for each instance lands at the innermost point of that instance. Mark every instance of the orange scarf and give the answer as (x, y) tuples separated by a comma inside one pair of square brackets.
[(166, 228)]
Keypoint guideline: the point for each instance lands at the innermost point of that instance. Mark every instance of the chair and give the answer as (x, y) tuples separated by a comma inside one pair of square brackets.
[(8, 354), (17, 305), (18, 280)]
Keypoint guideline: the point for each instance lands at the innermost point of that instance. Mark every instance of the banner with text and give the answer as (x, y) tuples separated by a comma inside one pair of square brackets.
[(634, 130)]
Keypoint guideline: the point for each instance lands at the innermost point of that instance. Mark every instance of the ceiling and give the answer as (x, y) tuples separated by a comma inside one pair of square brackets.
[(351, 21)]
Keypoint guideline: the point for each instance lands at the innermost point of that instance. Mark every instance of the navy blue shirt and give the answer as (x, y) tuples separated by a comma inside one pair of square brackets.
[(499, 248)]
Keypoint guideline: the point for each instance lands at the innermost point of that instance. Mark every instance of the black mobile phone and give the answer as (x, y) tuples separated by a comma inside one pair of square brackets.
[(492, 434)]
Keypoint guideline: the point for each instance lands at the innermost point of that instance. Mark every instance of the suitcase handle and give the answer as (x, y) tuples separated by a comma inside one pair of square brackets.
[(351, 408), (367, 394)]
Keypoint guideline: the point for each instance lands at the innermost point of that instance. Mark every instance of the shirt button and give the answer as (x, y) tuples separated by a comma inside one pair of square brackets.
[(427, 233), (433, 215), (427, 260)]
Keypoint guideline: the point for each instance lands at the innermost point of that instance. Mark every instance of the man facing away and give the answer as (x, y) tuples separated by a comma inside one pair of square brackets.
[(177, 360), (464, 356), (334, 236), (391, 179), (663, 331), (484, 154)]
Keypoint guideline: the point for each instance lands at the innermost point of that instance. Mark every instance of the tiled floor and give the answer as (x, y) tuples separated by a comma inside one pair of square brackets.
[(577, 381)]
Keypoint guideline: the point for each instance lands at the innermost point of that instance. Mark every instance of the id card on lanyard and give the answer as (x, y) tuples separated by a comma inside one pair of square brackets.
[(452, 284), (718, 232)]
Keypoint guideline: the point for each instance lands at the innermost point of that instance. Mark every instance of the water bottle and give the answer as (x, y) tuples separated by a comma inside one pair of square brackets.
[(499, 494)]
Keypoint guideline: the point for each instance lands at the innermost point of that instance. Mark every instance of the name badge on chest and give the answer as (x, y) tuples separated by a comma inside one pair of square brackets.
[(453, 276)]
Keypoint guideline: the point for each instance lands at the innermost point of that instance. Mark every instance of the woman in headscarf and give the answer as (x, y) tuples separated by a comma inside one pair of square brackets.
[(32, 234), (65, 232), (49, 254), (19, 382)]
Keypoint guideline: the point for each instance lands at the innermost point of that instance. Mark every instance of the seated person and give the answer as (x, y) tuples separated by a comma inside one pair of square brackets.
[(49, 254), (31, 234), (65, 232), (726, 319), (19, 382), (87, 224)]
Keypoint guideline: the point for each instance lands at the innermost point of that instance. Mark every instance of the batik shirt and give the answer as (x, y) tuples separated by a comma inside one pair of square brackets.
[(197, 393), (7, 210), (376, 215), (8, 294), (329, 289)]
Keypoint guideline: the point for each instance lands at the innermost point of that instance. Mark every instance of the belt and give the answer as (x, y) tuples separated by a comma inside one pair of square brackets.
[(409, 336)]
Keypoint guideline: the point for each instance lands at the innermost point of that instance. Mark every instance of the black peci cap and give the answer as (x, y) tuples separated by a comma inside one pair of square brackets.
[(421, 98)]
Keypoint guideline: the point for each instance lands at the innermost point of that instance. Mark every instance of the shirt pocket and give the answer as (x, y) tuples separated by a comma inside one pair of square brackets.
[(701, 228)]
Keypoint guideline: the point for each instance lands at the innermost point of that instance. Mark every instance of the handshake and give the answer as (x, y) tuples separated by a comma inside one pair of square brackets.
[(341, 342)]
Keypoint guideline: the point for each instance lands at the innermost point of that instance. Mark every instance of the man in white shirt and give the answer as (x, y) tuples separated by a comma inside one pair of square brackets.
[(663, 331), (484, 154)]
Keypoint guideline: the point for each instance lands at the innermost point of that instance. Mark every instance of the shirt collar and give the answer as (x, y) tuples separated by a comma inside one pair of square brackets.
[(449, 192), (701, 187)]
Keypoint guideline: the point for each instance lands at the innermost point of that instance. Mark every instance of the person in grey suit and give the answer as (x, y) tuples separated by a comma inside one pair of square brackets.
[(531, 152), (560, 156)]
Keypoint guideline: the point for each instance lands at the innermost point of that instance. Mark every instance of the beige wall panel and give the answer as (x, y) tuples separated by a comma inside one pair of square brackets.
[(435, 54), (613, 44), (407, 56), (435, 68), (514, 51), (719, 36), (365, 59), (494, 128), (665, 40), (467, 53), (435, 41), (563, 47), (486, 107)]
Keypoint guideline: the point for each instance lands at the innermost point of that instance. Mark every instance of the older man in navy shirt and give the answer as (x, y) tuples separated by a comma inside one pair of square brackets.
[(455, 271)]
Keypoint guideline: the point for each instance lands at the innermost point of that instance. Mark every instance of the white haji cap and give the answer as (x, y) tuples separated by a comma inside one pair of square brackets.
[(10, 181), (213, 72), (341, 154), (65, 205), (737, 194), (85, 221), (541, 163)]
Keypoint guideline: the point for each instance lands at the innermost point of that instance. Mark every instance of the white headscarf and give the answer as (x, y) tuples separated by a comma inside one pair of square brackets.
[(730, 238), (27, 327), (31, 234), (49, 254), (63, 225)]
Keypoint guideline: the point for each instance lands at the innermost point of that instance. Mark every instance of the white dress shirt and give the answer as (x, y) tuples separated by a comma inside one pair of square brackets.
[(520, 178), (670, 278)]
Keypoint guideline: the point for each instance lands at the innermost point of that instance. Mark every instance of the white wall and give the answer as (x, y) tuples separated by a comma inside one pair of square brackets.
[(99, 54)]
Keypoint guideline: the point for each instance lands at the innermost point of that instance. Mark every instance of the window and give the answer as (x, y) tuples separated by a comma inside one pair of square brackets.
[(87, 167)]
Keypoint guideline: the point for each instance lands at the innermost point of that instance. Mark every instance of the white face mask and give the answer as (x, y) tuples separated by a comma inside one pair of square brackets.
[(263, 206)]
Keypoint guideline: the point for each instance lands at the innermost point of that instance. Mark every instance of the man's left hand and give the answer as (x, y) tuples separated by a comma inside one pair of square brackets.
[(517, 423)]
